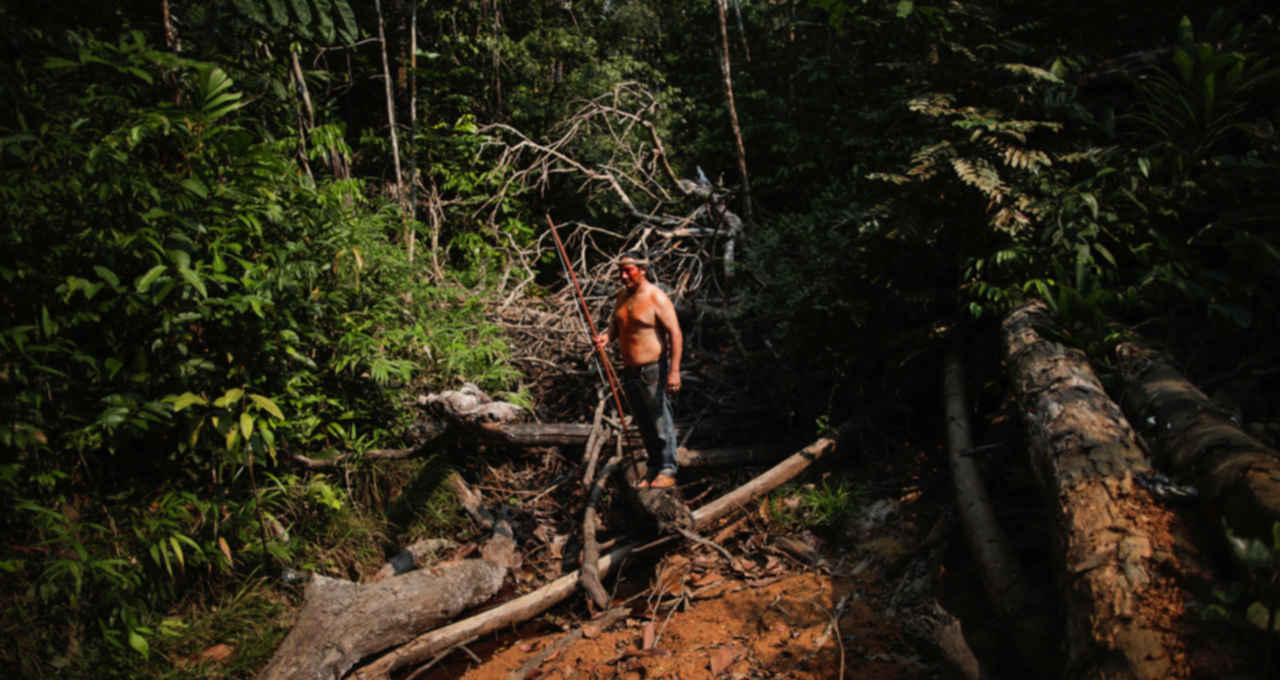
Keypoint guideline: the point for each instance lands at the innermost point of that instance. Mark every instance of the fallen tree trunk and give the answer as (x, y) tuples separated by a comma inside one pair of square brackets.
[(1001, 575), (530, 605), (1084, 455), (1237, 475), (342, 622)]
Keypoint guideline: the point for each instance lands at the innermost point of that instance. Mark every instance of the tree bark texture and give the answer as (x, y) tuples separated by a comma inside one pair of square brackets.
[(727, 74), (1237, 475), (342, 622), (1084, 455)]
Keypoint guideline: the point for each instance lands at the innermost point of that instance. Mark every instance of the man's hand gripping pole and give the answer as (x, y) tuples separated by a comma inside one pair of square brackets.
[(591, 335)]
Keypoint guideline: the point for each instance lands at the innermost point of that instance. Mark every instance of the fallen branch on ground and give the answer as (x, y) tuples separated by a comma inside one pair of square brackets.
[(532, 604)]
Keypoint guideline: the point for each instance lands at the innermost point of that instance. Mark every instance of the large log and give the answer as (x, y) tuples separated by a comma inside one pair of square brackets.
[(342, 622), (1085, 455), (1237, 475), (530, 605)]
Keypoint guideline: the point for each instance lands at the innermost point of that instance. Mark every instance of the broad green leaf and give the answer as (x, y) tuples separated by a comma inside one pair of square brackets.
[(350, 30), (279, 15), (108, 276), (905, 8), (324, 20), (46, 322), (195, 186), (1091, 201), (1259, 614), (253, 10), (246, 425), (302, 10), (233, 436), (177, 552), (194, 279), (230, 397), (267, 405), (139, 643), (186, 399), (144, 282)]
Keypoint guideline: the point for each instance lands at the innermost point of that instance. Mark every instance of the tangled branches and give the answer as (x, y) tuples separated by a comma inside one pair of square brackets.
[(610, 151)]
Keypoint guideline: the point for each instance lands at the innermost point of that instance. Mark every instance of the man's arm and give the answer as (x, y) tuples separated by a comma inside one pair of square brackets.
[(602, 340), (666, 313)]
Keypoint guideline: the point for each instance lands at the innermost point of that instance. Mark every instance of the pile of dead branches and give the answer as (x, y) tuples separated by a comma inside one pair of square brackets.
[(685, 227)]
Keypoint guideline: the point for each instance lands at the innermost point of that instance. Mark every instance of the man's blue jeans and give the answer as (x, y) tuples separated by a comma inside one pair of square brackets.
[(646, 390)]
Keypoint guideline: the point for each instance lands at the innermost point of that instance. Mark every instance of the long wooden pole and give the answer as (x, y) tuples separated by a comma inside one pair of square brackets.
[(591, 336)]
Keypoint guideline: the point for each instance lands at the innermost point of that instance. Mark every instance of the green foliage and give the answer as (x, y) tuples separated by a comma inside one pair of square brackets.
[(184, 306), (323, 20), (824, 508), (1255, 603)]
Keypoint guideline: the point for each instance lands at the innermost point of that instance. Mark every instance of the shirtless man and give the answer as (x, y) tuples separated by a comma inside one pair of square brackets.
[(648, 333)]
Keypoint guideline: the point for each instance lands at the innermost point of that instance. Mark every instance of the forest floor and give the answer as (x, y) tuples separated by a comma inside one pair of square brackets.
[(790, 601)]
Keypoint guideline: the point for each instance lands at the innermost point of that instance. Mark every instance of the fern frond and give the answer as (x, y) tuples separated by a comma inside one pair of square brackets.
[(936, 104), (1033, 71), (925, 162), (981, 175)]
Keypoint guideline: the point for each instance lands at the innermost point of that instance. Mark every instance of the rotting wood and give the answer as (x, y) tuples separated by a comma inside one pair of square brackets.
[(595, 442), (590, 548), (1237, 475), (933, 625), (342, 622), (469, 499), (1084, 455), (530, 605), (412, 556)]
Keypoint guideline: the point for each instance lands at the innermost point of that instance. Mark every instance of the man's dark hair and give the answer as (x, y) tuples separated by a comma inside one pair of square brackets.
[(635, 257)]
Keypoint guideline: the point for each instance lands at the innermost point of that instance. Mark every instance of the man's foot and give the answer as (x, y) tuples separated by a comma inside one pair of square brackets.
[(642, 484), (662, 482)]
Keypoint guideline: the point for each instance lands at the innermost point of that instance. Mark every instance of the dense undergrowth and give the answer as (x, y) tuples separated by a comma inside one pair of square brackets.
[(186, 310)]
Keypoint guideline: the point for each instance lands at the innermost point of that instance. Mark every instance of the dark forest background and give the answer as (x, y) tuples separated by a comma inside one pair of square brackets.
[(220, 253)]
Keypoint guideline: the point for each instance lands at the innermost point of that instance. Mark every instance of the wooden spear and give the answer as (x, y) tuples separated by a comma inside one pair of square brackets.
[(591, 337)]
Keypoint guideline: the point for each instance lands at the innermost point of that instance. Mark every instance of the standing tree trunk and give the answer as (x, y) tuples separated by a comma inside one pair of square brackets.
[(412, 200), (391, 123), (1237, 475), (733, 111), (1112, 561)]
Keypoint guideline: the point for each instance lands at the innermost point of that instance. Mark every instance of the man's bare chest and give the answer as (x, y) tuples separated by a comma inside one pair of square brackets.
[(636, 313)]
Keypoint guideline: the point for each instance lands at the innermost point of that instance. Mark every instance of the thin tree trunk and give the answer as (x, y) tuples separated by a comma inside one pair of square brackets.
[(742, 29), (391, 116), (306, 114), (411, 230), (1001, 574), (1113, 542), (1238, 476), (170, 33), (726, 73)]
